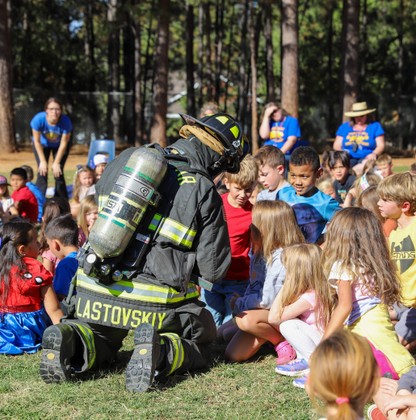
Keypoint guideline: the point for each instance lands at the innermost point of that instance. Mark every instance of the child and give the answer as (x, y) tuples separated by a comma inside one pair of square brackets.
[(88, 214), (384, 165), (100, 162), (358, 265), (238, 215), (326, 185), (339, 165), (26, 294), (344, 376), (54, 207), (84, 184), (8, 210), (40, 198), (271, 162), (273, 228), (398, 202), (313, 208), (24, 200), (361, 184), (62, 237), (368, 199), (302, 308)]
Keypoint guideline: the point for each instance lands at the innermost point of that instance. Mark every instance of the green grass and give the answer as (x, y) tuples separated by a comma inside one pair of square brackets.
[(226, 391)]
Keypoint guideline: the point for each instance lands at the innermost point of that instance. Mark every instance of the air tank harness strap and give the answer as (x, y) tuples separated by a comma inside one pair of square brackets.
[(203, 136)]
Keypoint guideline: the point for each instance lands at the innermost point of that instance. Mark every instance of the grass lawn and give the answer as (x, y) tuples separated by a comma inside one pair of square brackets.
[(227, 391)]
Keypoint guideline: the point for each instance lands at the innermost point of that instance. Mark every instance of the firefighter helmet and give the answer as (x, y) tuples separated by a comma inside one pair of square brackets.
[(229, 133)]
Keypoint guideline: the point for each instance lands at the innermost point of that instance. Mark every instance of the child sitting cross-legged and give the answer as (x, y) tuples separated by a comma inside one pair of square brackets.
[(302, 308)]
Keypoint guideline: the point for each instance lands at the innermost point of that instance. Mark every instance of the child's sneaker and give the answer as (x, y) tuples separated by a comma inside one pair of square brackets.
[(374, 413), (285, 353), (300, 382), (297, 367)]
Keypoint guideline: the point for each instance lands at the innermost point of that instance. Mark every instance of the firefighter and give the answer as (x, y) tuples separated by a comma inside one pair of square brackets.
[(157, 295)]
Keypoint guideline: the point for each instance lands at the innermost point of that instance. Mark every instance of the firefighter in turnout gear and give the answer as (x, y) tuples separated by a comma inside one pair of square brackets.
[(174, 236)]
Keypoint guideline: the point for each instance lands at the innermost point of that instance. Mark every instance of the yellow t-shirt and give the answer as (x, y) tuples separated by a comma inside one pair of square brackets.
[(403, 252)]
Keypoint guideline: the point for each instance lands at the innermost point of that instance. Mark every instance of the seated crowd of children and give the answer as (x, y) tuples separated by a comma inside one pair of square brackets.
[(323, 268)]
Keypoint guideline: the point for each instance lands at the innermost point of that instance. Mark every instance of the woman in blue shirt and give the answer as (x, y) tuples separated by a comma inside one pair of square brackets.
[(51, 131), (279, 129), (362, 137)]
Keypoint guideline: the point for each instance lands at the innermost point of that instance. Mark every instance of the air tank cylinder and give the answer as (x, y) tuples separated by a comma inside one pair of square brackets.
[(134, 190)]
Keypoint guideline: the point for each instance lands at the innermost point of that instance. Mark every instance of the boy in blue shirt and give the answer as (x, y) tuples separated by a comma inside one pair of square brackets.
[(35, 190), (62, 236), (313, 208)]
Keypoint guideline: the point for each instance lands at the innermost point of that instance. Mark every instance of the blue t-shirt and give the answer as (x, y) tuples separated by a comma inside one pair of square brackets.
[(50, 135), (312, 212), (65, 270), (39, 197), (359, 144), (281, 130)]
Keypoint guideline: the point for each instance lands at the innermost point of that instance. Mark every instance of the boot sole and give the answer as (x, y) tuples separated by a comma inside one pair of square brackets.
[(141, 368), (52, 369)]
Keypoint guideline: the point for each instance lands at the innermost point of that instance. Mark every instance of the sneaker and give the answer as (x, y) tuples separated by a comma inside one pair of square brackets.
[(300, 382), (374, 413), (285, 353), (141, 368), (297, 367), (58, 344)]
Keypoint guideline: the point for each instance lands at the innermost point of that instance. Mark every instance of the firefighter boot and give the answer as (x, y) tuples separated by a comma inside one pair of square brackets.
[(58, 345), (140, 371)]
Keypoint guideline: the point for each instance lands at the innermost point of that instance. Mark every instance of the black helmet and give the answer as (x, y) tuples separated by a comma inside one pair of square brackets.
[(229, 133)]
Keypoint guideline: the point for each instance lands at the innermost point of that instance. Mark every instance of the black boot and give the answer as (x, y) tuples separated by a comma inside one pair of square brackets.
[(140, 371), (58, 344)]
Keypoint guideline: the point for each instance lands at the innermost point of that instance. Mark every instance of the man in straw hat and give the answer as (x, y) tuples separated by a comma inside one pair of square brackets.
[(362, 137)]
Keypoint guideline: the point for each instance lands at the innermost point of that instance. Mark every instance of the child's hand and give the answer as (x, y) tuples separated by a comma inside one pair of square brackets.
[(233, 299), (399, 402)]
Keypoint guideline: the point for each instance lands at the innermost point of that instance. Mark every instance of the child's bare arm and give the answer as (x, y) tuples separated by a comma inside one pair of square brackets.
[(51, 304)]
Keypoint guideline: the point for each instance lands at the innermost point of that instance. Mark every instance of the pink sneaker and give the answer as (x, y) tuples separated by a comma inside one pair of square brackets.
[(285, 353)]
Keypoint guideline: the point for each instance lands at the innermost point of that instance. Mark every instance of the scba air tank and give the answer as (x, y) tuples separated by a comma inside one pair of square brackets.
[(134, 190)]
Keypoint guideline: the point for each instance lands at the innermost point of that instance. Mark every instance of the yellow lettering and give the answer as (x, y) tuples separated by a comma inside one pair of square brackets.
[(161, 316), (95, 313), (136, 316), (145, 317), (116, 315), (86, 313), (153, 318), (126, 315), (107, 307), (78, 307)]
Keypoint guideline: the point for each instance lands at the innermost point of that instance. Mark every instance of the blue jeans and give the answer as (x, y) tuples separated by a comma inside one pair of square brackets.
[(218, 299)]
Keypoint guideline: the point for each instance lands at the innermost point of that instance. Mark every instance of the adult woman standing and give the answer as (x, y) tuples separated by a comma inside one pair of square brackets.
[(279, 129), (362, 137), (51, 132)]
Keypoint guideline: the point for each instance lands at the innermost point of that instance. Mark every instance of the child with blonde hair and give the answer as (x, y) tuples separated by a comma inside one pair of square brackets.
[(273, 228), (343, 376), (358, 265), (302, 309), (84, 184), (88, 214)]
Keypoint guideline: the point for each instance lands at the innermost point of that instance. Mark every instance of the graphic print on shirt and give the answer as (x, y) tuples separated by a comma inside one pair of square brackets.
[(357, 139), (277, 132), (403, 253)]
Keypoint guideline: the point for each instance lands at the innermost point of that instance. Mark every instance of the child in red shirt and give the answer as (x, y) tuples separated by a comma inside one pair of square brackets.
[(238, 214), (24, 200)]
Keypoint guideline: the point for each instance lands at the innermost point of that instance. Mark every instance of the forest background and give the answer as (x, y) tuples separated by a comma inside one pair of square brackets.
[(125, 68)]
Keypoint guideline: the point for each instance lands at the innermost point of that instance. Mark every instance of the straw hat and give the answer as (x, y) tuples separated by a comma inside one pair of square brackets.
[(359, 109)]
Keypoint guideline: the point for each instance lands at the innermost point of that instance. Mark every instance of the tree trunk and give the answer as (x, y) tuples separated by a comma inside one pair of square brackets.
[(190, 92), (200, 65), (160, 96), (253, 62), (330, 7), (7, 134), (137, 95), (350, 49), (113, 106), (128, 70), (219, 36), (208, 73), (244, 59), (290, 68), (268, 36)]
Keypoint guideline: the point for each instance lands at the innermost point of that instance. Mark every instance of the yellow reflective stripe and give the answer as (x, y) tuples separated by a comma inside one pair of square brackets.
[(178, 351), (178, 233), (102, 200), (155, 222), (222, 118), (134, 291), (235, 131), (88, 340)]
